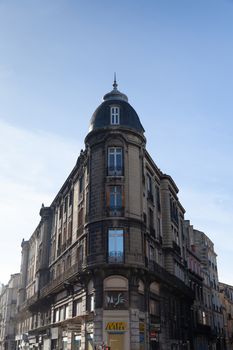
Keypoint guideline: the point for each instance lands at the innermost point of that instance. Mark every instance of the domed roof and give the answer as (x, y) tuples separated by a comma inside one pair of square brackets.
[(127, 117)]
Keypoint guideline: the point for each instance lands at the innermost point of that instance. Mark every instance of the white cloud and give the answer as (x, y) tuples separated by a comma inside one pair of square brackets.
[(33, 167)]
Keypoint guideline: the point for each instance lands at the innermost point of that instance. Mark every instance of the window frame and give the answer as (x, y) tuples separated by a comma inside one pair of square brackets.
[(113, 153), (116, 258), (115, 195), (115, 115)]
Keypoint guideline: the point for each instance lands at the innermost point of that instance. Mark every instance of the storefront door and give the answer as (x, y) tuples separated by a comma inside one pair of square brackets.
[(116, 341)]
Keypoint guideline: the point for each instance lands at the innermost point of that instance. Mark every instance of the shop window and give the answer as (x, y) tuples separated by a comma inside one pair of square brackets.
[(115, 245), (115, 161), (77, 342), (90, 342), (64, 343)]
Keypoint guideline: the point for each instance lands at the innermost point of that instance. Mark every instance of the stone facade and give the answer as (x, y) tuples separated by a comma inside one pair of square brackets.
[(111, 262), (8, 310), (226, 297)]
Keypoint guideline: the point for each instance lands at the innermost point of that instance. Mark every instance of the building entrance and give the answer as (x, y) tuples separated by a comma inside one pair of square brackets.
[(116, 341)]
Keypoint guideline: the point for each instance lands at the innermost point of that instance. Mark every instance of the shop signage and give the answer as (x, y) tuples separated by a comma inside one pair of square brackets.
[(116, 300), (155, 327), (116, 326), (141, 327), (153, 336)]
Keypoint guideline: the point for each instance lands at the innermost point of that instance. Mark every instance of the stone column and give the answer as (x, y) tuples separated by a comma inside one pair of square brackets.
[(134, 312)]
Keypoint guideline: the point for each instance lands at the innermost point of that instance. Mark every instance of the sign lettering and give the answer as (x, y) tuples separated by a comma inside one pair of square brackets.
[(116, 326)]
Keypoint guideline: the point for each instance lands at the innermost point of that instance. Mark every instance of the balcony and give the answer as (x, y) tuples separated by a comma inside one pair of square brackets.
[(28, 302), (115, 171), (59, 281), (176, 247), (115, 211), (164, 276), (116, 257)]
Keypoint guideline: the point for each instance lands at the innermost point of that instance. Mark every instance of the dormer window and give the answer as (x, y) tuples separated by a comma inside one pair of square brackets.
[(115, 115)]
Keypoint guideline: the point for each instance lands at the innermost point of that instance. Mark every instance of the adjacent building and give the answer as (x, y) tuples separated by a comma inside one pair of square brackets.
[(205, 248), (226, 297), (8, 311)]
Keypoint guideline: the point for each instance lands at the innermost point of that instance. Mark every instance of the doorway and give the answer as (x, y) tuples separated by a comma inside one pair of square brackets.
[(116, 341)]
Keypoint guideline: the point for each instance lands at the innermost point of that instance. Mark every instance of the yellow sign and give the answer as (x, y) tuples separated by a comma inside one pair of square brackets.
[(141, 327), (116, 326)]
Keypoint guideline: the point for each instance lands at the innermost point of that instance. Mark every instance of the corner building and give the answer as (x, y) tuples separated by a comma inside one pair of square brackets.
[(109, 258)]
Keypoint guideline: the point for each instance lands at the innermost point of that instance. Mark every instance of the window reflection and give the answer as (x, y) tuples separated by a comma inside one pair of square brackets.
[(115, 245)]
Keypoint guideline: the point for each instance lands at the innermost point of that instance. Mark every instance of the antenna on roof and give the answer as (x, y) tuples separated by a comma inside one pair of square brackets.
[(115, 83)]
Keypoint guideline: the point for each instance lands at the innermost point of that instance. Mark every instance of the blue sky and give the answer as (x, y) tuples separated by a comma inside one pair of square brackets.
[(174, 60)]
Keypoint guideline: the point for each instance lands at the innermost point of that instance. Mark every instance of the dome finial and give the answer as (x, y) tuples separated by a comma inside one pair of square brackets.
[(115, 83)]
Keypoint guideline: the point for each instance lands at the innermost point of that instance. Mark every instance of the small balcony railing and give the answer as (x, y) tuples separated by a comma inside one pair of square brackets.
[(115, 171), (70, 272), (115, 211), (115, 257)]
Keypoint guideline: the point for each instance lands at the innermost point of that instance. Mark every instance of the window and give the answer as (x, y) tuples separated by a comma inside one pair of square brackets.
[(151, 218), (80, 217), (65, 204), (56, 317), (154, 307), (80, 256), (69, 237), (81, 184), (60, 211), (115, 115), (115, 197), (90, 302), (152, 253), (71, 198), (115, 245), (149, 187), (77, 307), (115, 164), (158, 198)]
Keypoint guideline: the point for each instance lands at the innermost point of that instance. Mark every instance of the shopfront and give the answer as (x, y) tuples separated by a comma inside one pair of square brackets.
[(117, 334)]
